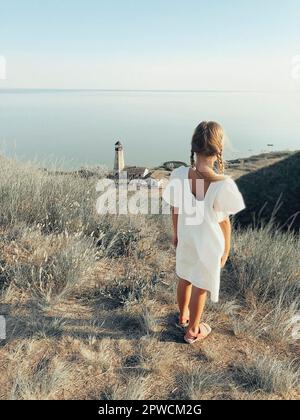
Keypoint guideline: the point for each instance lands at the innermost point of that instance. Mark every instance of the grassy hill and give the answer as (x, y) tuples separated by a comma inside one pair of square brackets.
[(273, 192), (90, 303)]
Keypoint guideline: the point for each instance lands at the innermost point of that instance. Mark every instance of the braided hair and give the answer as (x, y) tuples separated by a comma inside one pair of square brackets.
[(193, 163), (220, 160), (208, 141)]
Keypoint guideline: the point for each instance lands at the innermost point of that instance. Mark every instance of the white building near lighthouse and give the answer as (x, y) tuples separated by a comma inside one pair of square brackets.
[(138, 176)]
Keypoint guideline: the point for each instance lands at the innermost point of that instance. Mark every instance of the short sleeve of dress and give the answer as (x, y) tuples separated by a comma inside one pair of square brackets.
[(228, 201), (171, 193)]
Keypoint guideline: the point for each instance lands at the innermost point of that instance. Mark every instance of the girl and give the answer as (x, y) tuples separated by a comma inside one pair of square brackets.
[(202, 236)]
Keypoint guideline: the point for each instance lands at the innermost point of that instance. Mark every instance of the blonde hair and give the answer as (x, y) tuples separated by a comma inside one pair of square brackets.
[(208, 141)]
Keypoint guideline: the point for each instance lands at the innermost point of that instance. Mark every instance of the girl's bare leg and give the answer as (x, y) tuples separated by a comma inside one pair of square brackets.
[(184, 291), (197, 304)]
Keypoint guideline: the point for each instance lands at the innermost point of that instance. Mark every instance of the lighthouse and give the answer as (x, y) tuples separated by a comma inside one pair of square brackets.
[(119, 159)]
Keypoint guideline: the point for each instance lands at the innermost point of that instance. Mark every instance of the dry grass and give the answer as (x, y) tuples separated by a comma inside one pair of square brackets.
[(269, 375), (200, 383), (90, 303)]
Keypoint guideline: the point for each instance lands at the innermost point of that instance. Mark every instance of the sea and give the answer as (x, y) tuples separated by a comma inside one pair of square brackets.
[(75, 128)]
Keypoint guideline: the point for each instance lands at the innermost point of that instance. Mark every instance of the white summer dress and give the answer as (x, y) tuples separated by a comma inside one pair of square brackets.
[(200, 238)]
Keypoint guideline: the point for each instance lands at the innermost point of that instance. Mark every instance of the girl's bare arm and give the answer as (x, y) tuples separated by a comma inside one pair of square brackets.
[(226, 229), (175, 224)]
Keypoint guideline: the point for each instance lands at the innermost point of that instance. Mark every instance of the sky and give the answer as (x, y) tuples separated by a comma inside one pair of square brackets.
[(149, 44)]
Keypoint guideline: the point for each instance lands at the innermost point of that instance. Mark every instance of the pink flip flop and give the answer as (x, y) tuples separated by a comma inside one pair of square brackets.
[(205, 330)]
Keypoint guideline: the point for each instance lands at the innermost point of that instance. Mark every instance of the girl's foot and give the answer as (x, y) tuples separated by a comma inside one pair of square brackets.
[(204, 331), (182, 323)]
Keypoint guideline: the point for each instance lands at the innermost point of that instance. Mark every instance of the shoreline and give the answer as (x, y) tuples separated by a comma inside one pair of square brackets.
[(234, 167)]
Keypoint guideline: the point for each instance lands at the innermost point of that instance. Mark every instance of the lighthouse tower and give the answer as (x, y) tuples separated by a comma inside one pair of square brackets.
[(119, 159)]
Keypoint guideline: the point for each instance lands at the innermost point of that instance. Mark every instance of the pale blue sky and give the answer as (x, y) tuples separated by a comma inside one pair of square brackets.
[(153, 44)]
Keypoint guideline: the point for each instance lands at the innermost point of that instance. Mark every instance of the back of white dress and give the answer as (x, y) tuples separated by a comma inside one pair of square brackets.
[(200, 238)]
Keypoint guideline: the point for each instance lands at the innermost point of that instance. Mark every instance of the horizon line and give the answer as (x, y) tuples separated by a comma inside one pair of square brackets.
[(13, 90)]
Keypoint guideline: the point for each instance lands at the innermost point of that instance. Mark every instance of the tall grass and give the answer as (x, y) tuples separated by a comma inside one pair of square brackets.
[(50, 267), (264, 273), (55, 203), (55, 249), (200, 382), (269, 375), (266, 262), (46, 382)]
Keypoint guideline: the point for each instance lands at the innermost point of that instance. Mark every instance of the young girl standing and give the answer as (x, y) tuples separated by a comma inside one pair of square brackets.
[(201, 201)]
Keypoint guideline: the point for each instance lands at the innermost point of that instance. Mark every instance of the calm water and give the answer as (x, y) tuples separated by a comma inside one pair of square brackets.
[(81, 127)]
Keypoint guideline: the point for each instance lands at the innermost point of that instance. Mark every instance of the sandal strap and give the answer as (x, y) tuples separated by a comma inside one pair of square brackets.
[(191, 337), (207, 331), (206, 327)]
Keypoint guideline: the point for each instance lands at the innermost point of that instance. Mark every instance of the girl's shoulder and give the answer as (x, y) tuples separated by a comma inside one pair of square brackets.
[(225, 180), (227, 186), (178, 172), (220, 182), (228, 199), (182, 172), (230, 181)]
